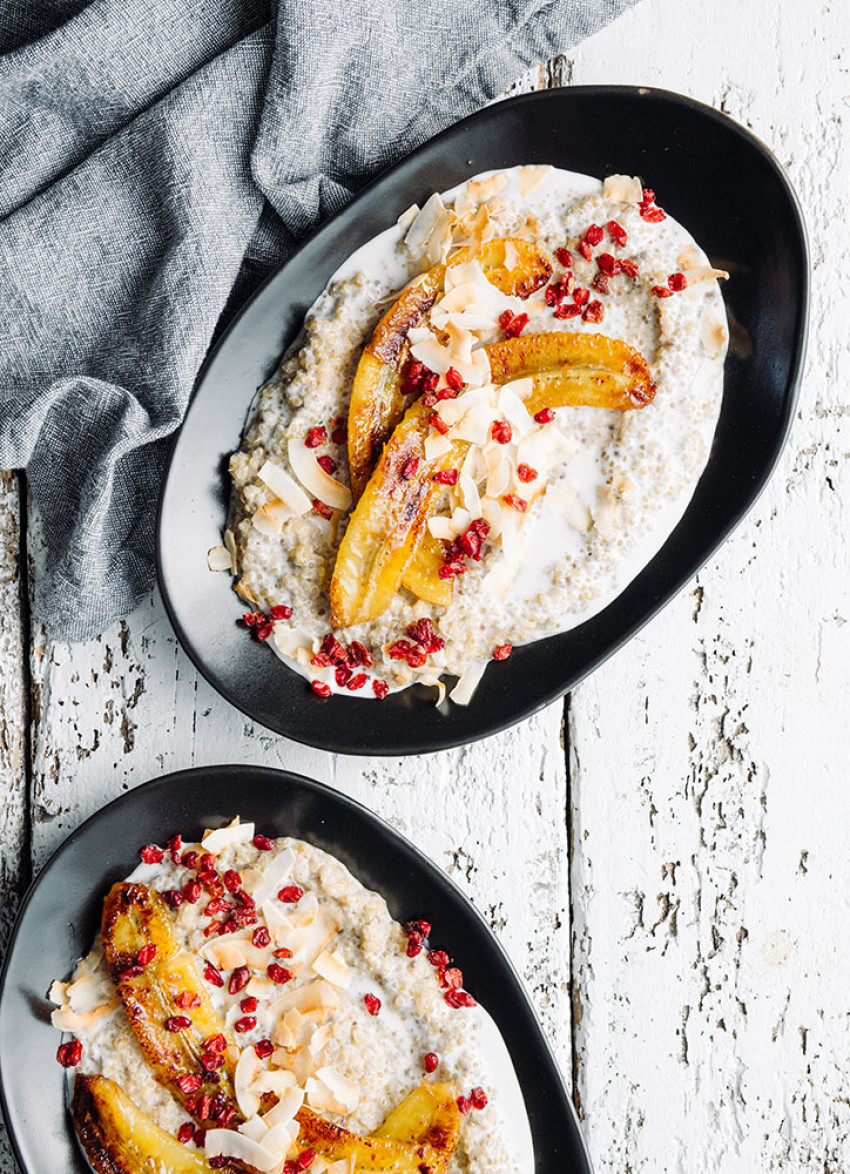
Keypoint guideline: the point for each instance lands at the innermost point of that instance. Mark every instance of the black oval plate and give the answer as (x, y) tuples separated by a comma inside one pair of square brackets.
[(714, 177), (61, 916)]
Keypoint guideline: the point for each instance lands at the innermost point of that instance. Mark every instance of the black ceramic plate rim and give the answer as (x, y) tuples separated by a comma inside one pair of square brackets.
[(521, 1006), (444, 738)]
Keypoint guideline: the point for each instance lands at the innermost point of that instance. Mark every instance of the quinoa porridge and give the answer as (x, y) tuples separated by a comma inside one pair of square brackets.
[(496, 413), (320, 1003)]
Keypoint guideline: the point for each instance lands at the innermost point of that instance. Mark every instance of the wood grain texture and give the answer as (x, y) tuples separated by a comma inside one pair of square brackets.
[(709, 796)]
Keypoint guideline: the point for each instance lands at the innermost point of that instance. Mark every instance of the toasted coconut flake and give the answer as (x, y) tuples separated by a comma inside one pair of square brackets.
[(407, 217), (623, 189), (605, 514), (460, 344), (468, 682), (492, 514), (320, 1038), (278, 923), (269, 519), (514, 411), (284, 487), (289, 640), (563, 500), (245, 593), (58, 993), (247, 1070), (714, 335), (313, 996), (482, 189), (345, 1090), (276, 1082), (498, 471), (436, 445), (231, 1144), (274, 874), (261, 988), (253, 1128), (475, 425), (64, 1019), (314, 478), (419, 334), (332, 967), (498, 580), (441, 528), (285, 1109), (469, 495), (705, 273), (228, 837), (429, 218), (531, 177), (219, 559), (521, 388), (278, 1140), (461, 520), (690, 258)]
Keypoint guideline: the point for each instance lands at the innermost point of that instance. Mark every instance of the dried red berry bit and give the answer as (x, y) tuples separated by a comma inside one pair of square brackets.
[(239, 978), (594, 235), (150, 854), (263, 843), (502, 432), (423, 633), (177, 1023), (339, 435), (188, 1083), (581, 295), (503, 651), (454, 379), (628, 267), (525, 472), (264, 1048), (215, 1044), (213, 976), (661, 291), (248, 1005), (360, 654), (565, 310), (513, 324), (232, 880), (189, 860), (192, 891), (246, 1023), (516, 503), (438, 958), (585, 249), (324, 511), (320, 688), (289, 894), (200, 1138), (608, 264), (677, 282), (186, 1132), (408, 469), (450, 569), (479, 1098), (441, 426), (564, 257), (305, 1160), (544, 416), (357, 682), (210, 1061), (70, 1054), (218, 1161), (316, 436), (446, 477), (342, 675), (380, 688), (173, 897), (283, 952), (327, 463), (601, 284), (594, 312), (187, 999), (648, 211), (261, 937), (464, 1104), (372, 1003), (430, 1062), (278, 973), (618, 232), (414, 945)]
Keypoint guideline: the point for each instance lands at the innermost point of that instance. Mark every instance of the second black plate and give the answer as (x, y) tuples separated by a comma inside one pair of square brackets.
[(715, 178)]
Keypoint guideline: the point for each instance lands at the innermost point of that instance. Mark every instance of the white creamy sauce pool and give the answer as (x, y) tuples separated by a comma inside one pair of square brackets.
[(387, 1049), (684, 414)]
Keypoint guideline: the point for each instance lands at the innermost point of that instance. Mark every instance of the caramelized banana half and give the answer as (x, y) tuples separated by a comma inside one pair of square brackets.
[(574, 370), (135, 917), (422, 574), (389, 526), (389, 523), (418, 1137), (377, 399), (118, 1138)]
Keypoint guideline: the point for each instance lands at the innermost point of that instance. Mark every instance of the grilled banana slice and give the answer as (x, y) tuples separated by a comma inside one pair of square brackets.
[(574, 370), (422, 575), (377, 400), (135, 918), (118, 1138), (376, 1154), (389, 523), (430, 1116)]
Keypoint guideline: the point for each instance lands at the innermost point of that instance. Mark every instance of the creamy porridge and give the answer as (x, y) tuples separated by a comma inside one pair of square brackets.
[(496, 413), (313, 1004)]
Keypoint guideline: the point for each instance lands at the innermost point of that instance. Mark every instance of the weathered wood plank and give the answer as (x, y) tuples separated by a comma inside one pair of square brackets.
[(708, 791), (14, 861)]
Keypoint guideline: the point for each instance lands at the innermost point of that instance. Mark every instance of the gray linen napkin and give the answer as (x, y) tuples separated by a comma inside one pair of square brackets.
[(157, 159)]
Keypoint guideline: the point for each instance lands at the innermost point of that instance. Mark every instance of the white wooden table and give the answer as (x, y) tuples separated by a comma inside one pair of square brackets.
[(665, 857)]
